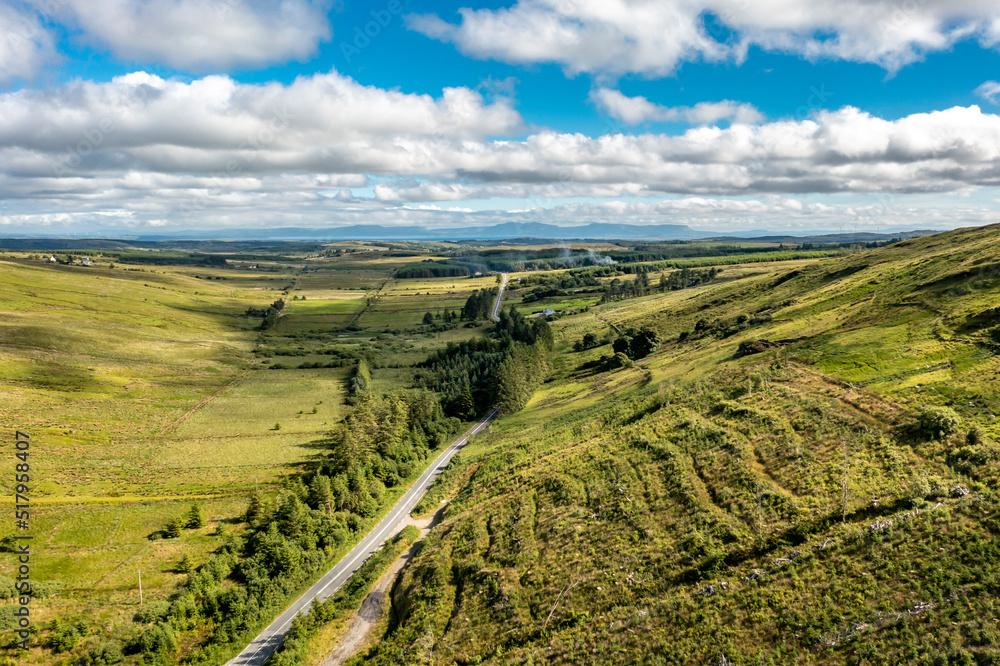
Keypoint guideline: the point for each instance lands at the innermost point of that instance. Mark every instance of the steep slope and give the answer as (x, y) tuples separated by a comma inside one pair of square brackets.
[(806, 475)]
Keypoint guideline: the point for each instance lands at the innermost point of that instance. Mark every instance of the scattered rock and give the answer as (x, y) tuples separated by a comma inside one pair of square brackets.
[(879, 525), (712, 590), (921, 607)]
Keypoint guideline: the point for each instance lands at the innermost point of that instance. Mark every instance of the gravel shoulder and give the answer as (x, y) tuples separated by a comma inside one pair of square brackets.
[(361, 626)]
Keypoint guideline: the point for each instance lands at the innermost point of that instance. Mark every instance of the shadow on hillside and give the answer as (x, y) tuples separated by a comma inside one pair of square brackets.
[(793, 536), (587, 369), (317, 450)]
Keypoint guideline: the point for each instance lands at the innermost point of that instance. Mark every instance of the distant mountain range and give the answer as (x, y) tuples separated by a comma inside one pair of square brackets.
[(505, 231)]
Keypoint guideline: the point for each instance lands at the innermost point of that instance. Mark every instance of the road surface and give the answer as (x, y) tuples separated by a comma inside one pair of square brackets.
[(268, 641), (496, 307)]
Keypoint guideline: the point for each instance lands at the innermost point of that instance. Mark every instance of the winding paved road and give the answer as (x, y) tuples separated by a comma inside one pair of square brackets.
[(496, 307), (268, 641)]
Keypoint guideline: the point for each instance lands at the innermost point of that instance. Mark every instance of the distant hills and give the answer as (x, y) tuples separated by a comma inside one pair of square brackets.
[(509, 231)]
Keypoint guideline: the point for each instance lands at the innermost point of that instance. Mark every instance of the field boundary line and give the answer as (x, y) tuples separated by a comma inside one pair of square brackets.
[(172, 428)]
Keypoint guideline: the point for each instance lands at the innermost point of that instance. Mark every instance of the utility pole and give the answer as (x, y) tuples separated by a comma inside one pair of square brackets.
[(140, 587)]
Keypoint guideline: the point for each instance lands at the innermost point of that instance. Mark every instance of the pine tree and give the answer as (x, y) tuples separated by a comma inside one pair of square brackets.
[(185, 565), (291, 516), (512, 386), (320, 496), (641, 284), (174, 528), (465, 407), (255, 508), (195, 517)]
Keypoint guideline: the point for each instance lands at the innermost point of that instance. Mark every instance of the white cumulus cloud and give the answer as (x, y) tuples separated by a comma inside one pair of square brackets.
[(25, 45), (652, 37), (146, 149), (199, 35), (637, 110)]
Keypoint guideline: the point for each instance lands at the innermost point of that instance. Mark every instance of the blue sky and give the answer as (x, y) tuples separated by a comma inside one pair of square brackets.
[(131, 115)]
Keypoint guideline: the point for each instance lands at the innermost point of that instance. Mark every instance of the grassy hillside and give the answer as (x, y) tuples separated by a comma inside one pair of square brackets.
[(804, 472)]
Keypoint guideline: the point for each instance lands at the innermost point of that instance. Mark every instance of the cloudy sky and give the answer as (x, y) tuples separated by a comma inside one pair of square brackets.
[(139, 116)]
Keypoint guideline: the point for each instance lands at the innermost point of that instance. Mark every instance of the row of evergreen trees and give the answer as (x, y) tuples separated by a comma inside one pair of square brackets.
[(618, 290), (432, 269), (289, 540), (446, 317), (270, 314), (361, 381)]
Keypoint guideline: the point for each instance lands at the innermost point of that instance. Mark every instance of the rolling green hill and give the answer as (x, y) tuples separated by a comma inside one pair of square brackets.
[(805, 471)]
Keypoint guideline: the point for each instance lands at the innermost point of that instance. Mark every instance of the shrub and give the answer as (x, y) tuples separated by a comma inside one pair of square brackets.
[(589, 342), (66, 637), (918, 487), (157, 640), (185, 565), (103, 654), (748, 347), (637, 344), (619, 360), (154, 611), (937, 422)]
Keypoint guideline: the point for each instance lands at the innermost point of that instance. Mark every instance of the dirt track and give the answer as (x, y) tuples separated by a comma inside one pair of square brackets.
[(360, 627)]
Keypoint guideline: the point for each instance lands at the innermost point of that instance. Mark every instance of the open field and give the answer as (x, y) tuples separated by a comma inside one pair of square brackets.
[(145, 391), (103, 367)]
